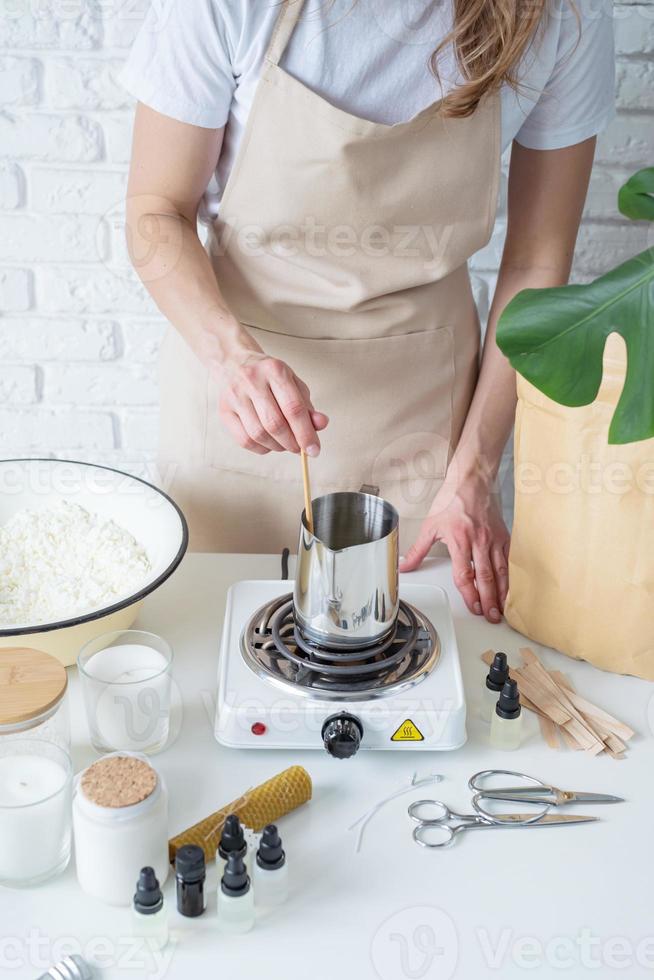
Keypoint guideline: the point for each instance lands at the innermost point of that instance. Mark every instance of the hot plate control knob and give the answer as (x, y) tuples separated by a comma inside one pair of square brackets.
[(342, 735)]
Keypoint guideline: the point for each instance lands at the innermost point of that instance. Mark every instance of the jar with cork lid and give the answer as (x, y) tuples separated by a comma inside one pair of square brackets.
[(33, 697), (120, 825)]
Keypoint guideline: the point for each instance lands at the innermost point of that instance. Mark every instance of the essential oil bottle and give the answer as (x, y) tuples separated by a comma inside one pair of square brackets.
[(495, 680), (270, 872), (235, 904), (190, 872), (150, 919), (506, 723)]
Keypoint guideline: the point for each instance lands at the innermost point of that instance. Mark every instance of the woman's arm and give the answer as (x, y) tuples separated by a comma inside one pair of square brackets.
[(263, 404), (547, 189)]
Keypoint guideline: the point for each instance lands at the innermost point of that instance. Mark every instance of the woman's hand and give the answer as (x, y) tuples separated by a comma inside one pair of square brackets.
[(267, 408), (466, 517)]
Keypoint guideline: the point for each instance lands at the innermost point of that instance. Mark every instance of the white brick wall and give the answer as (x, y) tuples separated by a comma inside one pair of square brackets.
[(78, 334)]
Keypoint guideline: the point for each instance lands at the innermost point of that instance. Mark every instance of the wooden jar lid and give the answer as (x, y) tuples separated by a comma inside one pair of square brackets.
[(31, 683), (118, 780)]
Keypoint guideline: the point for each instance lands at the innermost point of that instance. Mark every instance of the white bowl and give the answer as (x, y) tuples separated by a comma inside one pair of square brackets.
[(147, 513)]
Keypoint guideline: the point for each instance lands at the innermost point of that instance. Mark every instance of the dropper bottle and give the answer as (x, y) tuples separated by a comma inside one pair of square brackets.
[(506, 723), (270, 872), (497, 676), (232, 841), (150, 920), (190, 872), (235, 904)]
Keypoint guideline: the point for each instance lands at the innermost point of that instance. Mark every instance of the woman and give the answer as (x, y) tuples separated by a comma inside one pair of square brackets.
[(346, 157)]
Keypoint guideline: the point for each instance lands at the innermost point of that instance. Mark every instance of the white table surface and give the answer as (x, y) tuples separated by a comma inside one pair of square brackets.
[(571, 901)]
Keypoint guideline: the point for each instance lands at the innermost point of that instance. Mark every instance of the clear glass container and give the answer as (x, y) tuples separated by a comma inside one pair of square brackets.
[(506, 733), (33, 697), (35, 810), (153, 927), (52, 725), (488, 704), (235, 913), (270, 885), (126, 679)]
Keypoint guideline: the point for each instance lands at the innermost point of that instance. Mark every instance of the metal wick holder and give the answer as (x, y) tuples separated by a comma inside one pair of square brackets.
[(346, 592)]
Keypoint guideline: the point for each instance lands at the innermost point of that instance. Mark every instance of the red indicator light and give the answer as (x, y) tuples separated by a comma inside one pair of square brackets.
[(258, 728)]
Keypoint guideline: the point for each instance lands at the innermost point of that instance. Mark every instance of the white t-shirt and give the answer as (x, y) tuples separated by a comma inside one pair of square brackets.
[(199, 61)]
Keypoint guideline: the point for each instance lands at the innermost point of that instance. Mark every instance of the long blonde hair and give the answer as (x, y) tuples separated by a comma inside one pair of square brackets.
[(489, 39)]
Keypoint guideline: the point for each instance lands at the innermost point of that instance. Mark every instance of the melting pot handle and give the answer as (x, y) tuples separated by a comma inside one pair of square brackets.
[(369, 488)]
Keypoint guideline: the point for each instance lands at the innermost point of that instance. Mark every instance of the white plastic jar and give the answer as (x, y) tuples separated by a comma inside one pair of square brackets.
[(120, 825)]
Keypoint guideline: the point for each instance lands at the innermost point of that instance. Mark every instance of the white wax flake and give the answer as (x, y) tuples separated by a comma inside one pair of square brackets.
[(63, 561)]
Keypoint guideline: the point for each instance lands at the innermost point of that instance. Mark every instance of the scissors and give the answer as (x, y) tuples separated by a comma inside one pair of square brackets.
[(534, 792), (435, 819)]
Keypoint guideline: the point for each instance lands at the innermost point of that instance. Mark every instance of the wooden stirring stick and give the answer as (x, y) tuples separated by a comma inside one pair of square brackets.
[(307, 490)]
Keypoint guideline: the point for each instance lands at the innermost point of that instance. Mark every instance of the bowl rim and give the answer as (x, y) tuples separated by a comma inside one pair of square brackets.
[(129, 600)]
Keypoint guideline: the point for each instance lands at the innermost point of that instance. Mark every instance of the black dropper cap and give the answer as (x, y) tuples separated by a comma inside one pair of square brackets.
[(190, 871), (148, 898), (232, 839), (270, 855), (508, 705), (235, 880), (498, 673)]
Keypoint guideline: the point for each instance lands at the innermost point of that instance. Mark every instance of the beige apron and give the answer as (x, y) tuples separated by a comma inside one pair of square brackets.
[(342, 245)]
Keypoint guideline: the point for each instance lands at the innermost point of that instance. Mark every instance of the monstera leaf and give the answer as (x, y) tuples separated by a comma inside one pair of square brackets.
[(555, 337), (636, 197)]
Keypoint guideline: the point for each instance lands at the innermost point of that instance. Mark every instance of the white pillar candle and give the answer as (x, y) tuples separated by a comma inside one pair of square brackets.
[(35, 817), (129, 688)]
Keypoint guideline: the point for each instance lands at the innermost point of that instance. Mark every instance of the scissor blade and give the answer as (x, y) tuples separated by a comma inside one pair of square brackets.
[(541, 796), (593, 798), (551, 819), (514, 794)]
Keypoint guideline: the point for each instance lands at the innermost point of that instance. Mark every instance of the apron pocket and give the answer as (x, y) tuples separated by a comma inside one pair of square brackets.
[(389, 401)]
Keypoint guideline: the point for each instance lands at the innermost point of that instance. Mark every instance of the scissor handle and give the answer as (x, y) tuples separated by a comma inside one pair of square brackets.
[(445, 829), (437, 812), (434, 818), (476, 782)]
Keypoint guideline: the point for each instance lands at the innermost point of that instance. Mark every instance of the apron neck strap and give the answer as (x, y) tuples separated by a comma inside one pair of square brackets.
[(281, 35)]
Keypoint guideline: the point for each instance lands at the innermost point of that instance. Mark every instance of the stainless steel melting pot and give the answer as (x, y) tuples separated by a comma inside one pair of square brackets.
[(346, 590)]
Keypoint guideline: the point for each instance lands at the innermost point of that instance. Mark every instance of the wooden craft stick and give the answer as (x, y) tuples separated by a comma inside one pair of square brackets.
[(592, 711), (549, 731), (614, 745), (542, 699), (535, 670), (570, 741), (558, 677), (562, 680), (308, 508), (526, 703), (580, 730)]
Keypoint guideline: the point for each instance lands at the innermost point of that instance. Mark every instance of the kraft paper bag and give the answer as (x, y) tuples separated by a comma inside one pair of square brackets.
[(581, 565)]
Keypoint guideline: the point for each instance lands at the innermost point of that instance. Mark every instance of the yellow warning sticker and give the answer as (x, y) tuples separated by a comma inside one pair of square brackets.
[(407, 732)]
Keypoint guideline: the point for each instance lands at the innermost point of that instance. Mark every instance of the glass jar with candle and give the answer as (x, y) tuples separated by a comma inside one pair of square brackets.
[(33, 699), (35, 810), (126, 681)]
